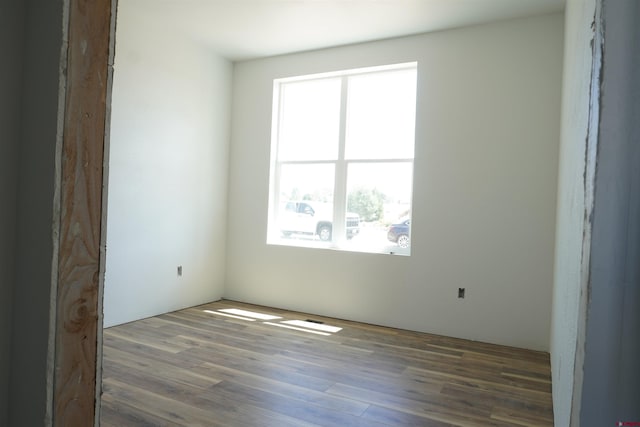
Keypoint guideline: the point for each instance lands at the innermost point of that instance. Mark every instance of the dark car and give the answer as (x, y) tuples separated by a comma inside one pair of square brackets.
[(399, 233)]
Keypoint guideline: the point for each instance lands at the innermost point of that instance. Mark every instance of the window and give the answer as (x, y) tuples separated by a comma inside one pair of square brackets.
[(342, 160)]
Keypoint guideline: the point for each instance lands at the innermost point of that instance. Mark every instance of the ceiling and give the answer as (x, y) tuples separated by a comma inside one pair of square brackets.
[(245, 29)]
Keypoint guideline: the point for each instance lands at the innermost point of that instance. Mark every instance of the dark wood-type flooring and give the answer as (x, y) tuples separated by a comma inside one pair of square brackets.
[(199, 367)]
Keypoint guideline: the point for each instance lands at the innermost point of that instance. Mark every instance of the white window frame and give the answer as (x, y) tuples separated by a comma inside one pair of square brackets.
[(341, 164)]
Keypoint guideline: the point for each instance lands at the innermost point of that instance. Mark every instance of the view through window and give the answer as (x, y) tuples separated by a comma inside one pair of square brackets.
[(342, 160)]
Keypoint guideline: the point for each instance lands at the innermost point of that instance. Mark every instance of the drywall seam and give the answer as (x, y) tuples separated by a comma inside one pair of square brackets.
[(55, 227), (589, 177)]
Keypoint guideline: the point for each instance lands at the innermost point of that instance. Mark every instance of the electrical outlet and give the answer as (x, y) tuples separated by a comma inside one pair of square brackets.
[(460, 292), (179, 271)]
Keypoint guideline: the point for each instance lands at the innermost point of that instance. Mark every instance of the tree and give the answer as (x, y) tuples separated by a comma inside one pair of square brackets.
[(366, 202)]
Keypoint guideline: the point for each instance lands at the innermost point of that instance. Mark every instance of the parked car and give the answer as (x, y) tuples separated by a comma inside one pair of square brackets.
[(399, 233), (314, 218)]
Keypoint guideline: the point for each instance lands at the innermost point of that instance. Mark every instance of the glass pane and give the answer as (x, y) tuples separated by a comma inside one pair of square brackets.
[(381, 115), (310, 120), (307, 182), (380, 193), (305, 211)]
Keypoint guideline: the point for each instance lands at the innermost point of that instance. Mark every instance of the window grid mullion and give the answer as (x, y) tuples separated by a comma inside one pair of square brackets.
[(340, 186)]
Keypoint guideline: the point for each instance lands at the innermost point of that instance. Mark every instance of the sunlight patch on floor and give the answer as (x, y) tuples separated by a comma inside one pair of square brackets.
[(308, 326), (281, 325), (313, 325), (247, 313), (229, 315)]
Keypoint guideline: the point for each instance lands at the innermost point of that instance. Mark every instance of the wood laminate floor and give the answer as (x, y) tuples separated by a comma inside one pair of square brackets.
[(202, 367)]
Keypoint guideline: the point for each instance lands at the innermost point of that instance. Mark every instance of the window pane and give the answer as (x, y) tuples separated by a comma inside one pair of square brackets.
[(351, 133), (310, 120), (381, 114), (380, 193), (305, 211), (307, 182)]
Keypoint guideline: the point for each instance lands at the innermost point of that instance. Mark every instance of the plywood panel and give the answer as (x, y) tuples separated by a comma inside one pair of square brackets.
[(77, 313)]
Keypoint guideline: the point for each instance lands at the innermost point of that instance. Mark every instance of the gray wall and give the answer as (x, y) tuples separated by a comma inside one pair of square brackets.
[(611, 391), (35, 201), (12, 21)]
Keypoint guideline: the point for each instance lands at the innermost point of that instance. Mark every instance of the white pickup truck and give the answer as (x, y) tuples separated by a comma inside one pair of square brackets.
[(313, 218)]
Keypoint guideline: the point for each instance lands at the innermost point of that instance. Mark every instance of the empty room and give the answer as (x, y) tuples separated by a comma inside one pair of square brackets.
[(322, 213), (222, 115)]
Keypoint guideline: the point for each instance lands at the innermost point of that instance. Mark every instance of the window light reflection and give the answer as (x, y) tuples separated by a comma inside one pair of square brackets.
[(297, 325), (247, 313), (312, 325), (229, 315), (282, 325)]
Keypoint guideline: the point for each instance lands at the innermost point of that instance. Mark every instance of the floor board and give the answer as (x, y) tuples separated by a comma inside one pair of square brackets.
[(206, 366)]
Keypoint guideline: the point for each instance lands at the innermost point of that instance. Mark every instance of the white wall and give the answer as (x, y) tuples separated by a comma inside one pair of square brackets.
[(168, 171), (484, 190), (12, 27), (571, 204)]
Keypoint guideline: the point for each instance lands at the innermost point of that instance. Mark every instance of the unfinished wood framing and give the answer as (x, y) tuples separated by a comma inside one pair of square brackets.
[(77, 295)]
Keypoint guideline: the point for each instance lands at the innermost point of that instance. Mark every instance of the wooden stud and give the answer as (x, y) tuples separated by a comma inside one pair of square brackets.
[(80, 235)]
